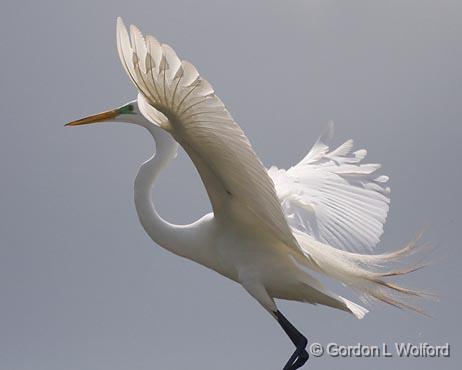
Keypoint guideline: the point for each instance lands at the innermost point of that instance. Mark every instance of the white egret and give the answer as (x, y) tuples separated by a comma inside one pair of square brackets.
[(270, 229)]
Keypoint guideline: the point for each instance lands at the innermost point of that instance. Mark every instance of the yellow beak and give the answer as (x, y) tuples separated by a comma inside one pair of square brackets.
[(100, 117)]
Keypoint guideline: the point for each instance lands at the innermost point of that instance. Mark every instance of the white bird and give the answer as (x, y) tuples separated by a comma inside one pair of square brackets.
[(270, 230)]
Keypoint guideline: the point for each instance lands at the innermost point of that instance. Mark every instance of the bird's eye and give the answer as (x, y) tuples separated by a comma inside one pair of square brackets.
[(130, 107)]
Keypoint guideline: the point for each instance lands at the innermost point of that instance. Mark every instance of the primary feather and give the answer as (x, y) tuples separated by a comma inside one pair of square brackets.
[(333, 196), (199, 121), (327, 202)]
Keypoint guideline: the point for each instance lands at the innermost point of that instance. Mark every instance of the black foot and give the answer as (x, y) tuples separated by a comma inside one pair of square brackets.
[(297, 360), (300, 356)]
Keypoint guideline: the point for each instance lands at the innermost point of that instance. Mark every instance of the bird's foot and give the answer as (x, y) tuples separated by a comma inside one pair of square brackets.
[(300, 356), (298, 359)]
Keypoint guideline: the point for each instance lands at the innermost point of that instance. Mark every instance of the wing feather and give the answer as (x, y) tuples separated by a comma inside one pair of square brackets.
[(333, 197), (199, 121)]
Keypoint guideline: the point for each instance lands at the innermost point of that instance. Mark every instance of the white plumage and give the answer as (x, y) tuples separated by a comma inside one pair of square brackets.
[(333, 197), (269, 230), (200, 123)]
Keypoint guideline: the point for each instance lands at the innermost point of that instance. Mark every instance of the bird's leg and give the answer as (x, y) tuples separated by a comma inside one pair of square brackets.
[(300, 356), (258, 291)]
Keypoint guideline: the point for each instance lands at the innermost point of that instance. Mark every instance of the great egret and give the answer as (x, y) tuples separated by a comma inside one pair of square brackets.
[(270, 229)]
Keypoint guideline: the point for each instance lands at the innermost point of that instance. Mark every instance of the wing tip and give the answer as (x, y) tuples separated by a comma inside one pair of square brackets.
[(120, 23), (135, 31)]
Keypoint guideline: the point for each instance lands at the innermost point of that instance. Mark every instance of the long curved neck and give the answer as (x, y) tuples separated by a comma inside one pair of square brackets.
[(176, 238)]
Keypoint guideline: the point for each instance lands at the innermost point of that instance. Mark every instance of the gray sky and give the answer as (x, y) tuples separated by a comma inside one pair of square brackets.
[(81, 285)]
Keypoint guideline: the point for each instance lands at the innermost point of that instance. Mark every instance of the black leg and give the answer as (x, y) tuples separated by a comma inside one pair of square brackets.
[(300, 356)]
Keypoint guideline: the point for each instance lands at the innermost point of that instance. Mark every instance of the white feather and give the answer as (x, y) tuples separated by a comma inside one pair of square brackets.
[(199, 121), (333, 197), (267, 236)]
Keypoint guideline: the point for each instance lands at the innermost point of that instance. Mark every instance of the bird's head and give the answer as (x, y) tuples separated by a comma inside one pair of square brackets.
[(136, 112), (129, 113)]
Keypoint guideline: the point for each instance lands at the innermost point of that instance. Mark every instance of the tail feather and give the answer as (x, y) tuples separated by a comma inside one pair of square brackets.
[(355, 309), (364, 273)]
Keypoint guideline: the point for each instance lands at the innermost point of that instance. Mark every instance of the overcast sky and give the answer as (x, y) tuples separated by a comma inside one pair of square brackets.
[(81, 285)]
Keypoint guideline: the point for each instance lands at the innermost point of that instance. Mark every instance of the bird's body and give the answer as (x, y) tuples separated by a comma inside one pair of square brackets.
[(269, 229), (231, 242)]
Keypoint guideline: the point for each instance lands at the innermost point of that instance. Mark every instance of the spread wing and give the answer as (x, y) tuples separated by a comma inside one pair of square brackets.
[(333, 197), (174, 96)]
